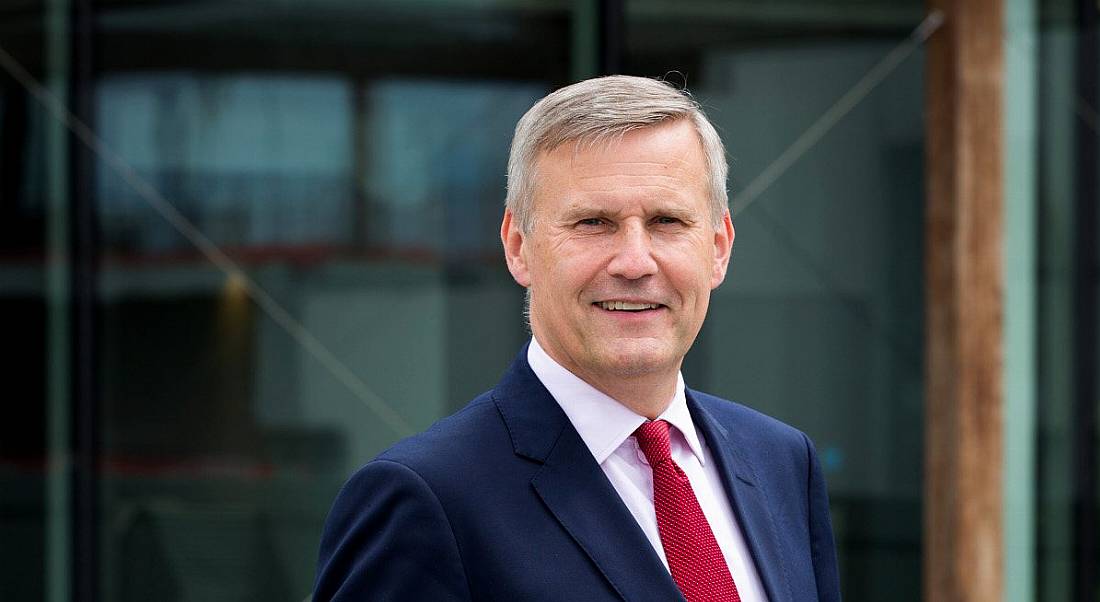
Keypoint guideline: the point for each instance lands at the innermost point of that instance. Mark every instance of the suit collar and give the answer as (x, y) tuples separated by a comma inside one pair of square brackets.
[(748, 498), (533, 418), (576, 491), (603, 422)]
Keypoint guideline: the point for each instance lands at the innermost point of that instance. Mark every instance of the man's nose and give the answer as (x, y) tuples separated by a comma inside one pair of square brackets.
[(633, 254)]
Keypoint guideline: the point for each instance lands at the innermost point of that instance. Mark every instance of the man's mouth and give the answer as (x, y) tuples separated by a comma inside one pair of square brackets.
[(626, 305)]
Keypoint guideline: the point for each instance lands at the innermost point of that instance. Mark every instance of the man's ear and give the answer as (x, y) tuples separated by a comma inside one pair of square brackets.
[(723, 247), (513, 239)]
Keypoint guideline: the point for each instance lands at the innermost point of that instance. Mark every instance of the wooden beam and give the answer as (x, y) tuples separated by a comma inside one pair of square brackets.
[(963, 558)]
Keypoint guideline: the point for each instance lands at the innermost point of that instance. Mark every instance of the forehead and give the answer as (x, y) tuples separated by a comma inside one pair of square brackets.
[(669, 155)]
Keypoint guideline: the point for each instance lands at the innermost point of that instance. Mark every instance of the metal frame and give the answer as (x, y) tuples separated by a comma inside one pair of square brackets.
[(84, 307), (1086, 355)]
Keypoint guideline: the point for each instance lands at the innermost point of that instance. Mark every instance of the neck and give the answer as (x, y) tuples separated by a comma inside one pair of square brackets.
[(647, 395), (645, 392)]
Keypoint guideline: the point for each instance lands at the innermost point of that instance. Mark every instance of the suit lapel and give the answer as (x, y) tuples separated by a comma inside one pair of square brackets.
[(577, 492), (748, 501)]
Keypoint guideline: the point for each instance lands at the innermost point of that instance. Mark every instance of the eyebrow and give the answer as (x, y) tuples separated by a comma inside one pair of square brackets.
[(577, 211)]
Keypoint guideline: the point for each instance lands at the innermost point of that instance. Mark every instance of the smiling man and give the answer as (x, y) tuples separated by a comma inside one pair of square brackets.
[(590, 472)]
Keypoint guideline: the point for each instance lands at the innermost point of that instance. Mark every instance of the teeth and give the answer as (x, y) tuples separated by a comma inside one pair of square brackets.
[(627, 306)]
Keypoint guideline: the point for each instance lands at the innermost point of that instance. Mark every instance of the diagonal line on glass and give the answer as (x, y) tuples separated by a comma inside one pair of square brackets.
[(806, 141), (215, 255), (895, 343), (813, 134), (1087, 114)]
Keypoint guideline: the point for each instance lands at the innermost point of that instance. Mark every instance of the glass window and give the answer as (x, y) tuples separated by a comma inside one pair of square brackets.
[(299, 263), (349, 161)]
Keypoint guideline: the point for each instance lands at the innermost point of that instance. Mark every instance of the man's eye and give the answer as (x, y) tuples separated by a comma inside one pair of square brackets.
[(590, 221), (664, 219)]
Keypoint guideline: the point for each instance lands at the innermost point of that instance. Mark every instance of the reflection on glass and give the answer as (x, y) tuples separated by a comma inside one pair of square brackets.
[(361, 191), (251, 160)]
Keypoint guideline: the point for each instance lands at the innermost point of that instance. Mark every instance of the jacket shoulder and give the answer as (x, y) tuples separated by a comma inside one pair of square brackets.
[(455, 438), (746, 420), (774, 449)]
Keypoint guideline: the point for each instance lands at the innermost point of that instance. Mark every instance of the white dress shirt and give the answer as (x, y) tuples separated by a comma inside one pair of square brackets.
[(607, 426)]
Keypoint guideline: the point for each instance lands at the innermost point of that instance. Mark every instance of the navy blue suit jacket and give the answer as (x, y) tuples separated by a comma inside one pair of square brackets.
[(503, 501)]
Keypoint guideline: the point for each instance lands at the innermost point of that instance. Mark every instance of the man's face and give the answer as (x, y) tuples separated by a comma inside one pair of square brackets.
[(623, 252)]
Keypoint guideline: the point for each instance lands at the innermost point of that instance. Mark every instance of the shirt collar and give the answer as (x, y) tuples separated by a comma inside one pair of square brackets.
[(602, 422)]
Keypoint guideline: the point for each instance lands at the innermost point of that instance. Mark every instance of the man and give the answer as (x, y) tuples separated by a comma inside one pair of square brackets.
[(590, 472)]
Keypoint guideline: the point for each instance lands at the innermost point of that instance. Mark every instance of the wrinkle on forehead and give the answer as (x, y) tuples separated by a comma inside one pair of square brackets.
[(630, 184), (609, 160), (637, 176), (610, 156), (629, 168)]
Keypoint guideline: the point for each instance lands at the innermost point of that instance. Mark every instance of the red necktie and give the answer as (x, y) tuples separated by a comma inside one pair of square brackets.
[(694, 558)]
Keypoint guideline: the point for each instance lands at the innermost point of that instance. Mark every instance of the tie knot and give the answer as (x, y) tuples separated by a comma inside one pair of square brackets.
[(653, 439)]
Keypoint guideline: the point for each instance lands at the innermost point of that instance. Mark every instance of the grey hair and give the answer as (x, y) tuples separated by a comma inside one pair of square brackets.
[(602, 109)]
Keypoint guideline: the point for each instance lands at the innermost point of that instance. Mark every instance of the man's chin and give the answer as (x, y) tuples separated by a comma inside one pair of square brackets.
[(629, 361)]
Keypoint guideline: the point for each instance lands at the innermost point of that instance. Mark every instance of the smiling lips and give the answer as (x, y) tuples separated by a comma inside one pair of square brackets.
[(626, 305)]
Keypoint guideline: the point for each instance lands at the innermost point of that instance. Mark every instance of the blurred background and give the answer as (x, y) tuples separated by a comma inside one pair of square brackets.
[(177, 421)]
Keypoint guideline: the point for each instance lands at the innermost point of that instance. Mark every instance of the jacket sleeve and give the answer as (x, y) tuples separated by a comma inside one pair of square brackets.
[(387, 537), (823, 548)]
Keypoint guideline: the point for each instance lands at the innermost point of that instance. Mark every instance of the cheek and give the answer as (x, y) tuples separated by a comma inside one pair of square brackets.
[(688, 268), (572, 270)]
